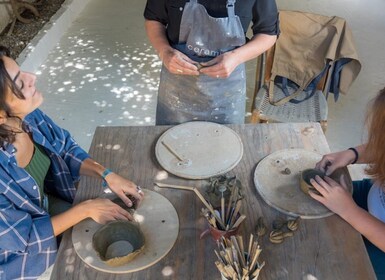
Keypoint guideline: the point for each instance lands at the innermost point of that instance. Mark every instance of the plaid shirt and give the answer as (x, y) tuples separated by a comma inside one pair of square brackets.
[(27, 242)]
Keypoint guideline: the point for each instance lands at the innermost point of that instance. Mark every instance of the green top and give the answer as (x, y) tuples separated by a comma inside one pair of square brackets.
[(38, 169)]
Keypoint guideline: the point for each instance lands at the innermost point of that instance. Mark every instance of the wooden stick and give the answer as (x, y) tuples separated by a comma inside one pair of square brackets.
[(230, 255), (242, 248), (249, 249), (241, 259), (235, 213), (223, 209), (253, 248), (212, 222), (257, 271), (239, 221), (221, 268), (220, 257), (224, 242), (245, 273), (237, 269), (225, 257), (255, 258), (230, 271), (194, 189), (163, 185), (172, 151), (230, 202)]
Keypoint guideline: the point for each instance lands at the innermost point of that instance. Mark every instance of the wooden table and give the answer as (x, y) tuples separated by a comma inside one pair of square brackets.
[(327, 248)]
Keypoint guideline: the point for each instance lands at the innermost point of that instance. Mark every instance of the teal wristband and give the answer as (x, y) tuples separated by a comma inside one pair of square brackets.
[(104, 175)]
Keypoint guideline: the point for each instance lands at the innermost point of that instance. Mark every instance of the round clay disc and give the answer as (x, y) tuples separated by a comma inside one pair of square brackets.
[(282, 190), (204, 149), (159, 223)]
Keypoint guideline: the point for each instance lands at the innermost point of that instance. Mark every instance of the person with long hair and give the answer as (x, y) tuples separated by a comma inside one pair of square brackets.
[(40, 165), (365, 210)]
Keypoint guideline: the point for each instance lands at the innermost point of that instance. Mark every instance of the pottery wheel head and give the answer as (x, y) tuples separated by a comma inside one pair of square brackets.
[(118, 242)]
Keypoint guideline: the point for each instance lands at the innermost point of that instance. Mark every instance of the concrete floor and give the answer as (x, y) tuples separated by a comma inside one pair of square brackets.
[(103, 71)]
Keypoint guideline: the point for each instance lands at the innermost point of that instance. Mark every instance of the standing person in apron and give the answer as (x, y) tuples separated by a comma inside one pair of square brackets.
[(203, 49)]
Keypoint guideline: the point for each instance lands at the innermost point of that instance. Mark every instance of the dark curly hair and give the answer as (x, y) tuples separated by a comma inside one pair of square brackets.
[(7, 135)]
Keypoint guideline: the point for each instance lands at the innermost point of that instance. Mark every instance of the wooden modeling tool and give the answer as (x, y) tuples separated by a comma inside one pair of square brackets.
[(173, 152), (200, 196)]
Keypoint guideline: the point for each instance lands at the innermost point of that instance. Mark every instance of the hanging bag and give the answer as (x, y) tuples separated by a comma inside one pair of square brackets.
[(302, 56)]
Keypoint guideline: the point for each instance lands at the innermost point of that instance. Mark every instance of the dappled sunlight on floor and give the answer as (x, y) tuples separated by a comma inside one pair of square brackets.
[(92, 85)]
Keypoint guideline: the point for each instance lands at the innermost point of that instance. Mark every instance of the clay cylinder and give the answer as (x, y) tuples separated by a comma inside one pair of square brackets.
[(305, 177)]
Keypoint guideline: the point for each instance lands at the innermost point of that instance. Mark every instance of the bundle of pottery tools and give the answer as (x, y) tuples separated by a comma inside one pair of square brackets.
[(234, 262), (229, 215), (221, 186)]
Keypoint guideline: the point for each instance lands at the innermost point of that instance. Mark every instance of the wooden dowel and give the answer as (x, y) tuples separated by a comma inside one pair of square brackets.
[(172, 151), (230, 271), (222, 269), (163, 185), (249, 249), (241, 259), (230, 206), (255, 258), (223, 209), (219, 256), (237, 269), (239, 221), (230, 255), (235, 213), (196, 191), (242, 249), (234, 253), (255, 274)]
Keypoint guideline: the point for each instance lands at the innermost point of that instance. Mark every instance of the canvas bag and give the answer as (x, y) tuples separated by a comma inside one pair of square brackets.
[(308, 45)]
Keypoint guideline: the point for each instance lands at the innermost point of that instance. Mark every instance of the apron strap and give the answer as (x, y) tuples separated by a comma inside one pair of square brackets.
[(230, 8), (283, 100), (229, 5)]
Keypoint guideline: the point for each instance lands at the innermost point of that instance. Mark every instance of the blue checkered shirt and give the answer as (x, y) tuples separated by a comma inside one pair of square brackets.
[(27, 242)]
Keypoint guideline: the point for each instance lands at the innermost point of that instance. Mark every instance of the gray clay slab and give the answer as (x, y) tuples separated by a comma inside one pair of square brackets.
[(159, 223), (207, 149), (281, 190)]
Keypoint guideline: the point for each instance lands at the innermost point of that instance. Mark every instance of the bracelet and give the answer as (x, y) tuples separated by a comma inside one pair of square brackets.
[(104, 175), (355, 154)]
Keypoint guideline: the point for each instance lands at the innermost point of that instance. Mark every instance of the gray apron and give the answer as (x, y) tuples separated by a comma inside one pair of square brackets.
[(202, 98)]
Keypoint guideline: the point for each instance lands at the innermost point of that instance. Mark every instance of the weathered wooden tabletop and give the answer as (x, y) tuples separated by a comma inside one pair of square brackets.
[(327, 248)]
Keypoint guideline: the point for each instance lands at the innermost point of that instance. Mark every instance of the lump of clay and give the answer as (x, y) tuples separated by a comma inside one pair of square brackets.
[(305, 177), (131, 209), (118, 242)]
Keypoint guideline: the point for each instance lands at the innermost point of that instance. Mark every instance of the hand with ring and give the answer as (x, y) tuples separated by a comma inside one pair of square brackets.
[(123, 187), (139, 189)]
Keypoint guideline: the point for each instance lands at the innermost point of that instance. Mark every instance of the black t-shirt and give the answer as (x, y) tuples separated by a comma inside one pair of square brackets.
[(262, 13)]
